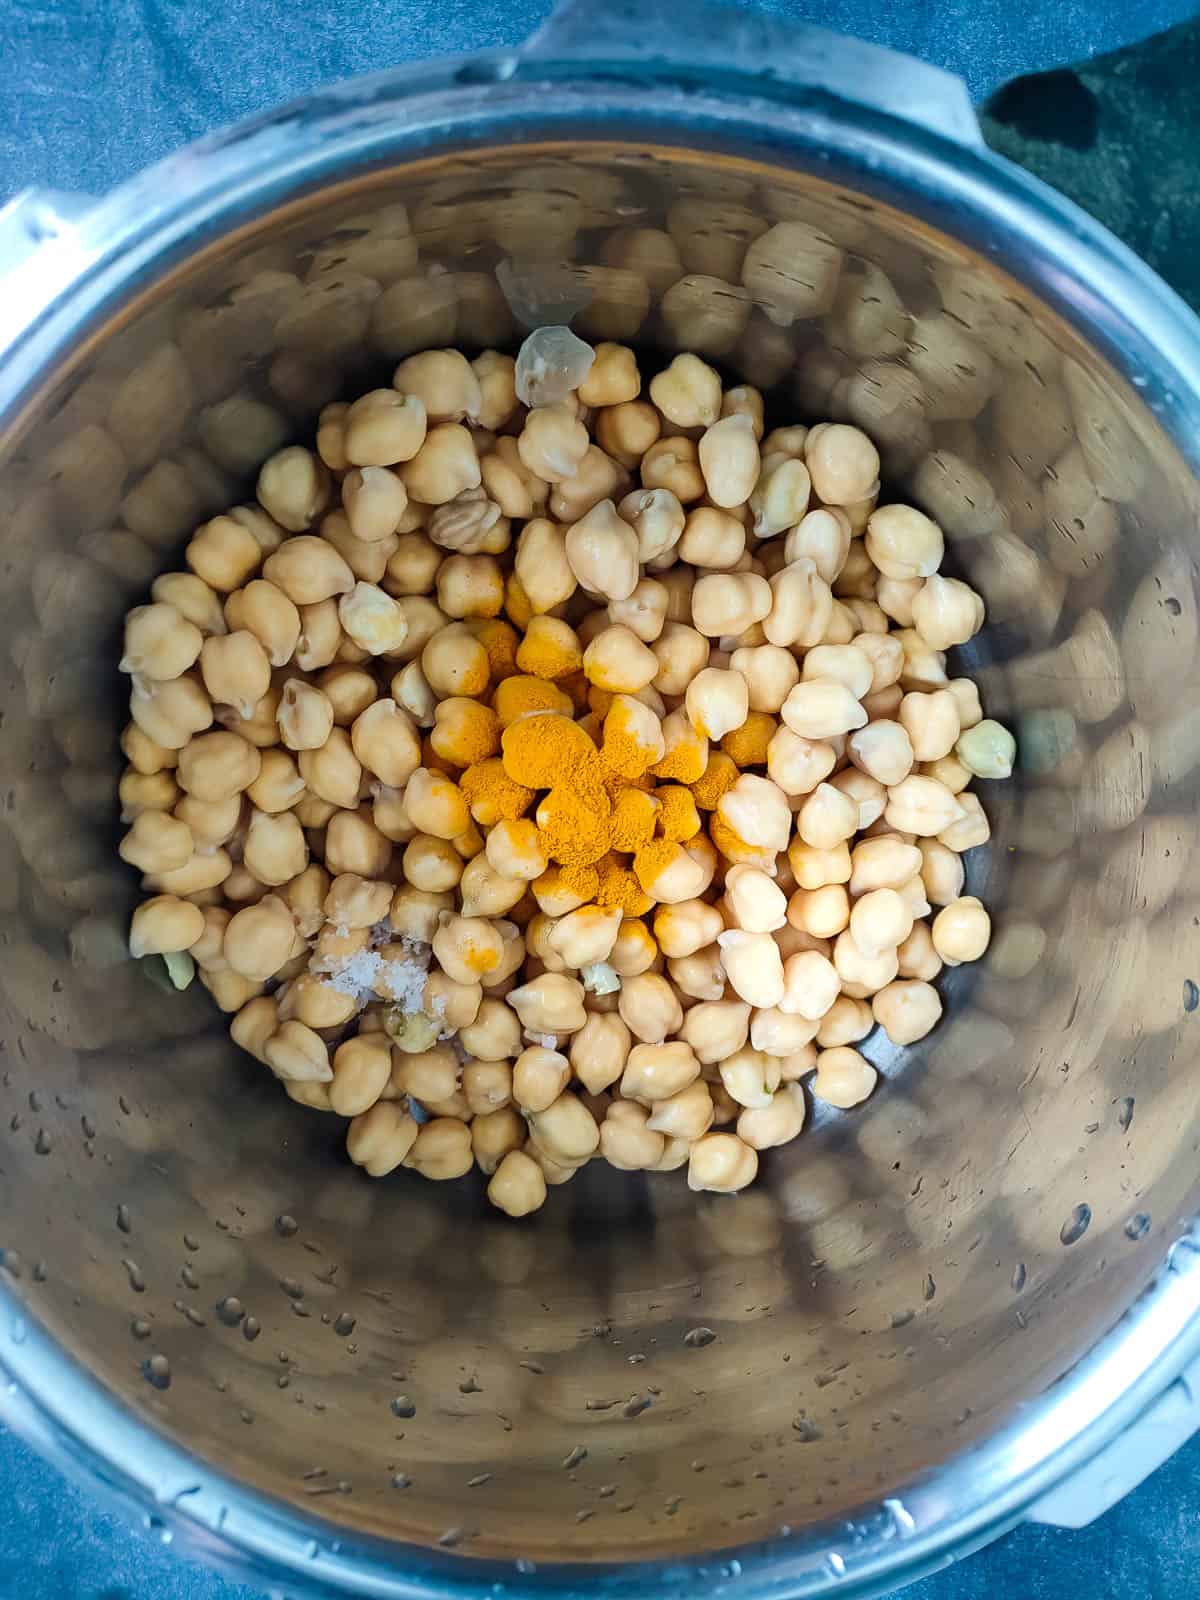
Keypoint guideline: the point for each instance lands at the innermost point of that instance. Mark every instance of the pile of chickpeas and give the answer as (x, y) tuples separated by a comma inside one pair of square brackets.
[(303, 703)]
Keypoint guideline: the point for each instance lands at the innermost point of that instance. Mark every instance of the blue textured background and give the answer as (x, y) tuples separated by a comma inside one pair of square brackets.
[(90, 91)]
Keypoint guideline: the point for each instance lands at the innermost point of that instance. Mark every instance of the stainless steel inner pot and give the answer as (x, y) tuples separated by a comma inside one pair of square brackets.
[(933, 1308)]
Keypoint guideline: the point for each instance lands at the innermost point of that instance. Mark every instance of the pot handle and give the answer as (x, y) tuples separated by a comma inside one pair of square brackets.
[(1165, 1425), (645, 38)]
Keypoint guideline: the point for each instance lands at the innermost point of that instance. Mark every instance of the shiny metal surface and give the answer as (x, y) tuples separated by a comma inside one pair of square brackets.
[(934, 1306)]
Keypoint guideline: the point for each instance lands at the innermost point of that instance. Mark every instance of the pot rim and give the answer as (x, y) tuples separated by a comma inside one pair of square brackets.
[(231, 180)]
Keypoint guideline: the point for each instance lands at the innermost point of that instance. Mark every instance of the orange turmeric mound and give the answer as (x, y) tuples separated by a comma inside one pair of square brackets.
[(492, 795)]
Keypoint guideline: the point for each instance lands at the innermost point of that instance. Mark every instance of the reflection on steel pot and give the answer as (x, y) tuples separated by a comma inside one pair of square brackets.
[(932, 1310)]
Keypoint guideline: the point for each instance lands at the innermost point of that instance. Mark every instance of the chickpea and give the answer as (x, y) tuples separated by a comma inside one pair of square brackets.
[(539, 1077), (432, 864), (961, 931), (362, 1067), (815, 868), (771, 673), (380, 1140), (259, 939), (844, 1077), (222, 554), (942, 872), (867, 795), (429, 1076), (486, 892), (169, 713), (518, 1185), (823, 912), (969, 830), (903, 543), (757, 811), (846, 1022), (827, 817), (686, 927), (755, 902), (194, 599), (931, 722), (487, 1085), (305, 716), (383, 428), (721, 1162), (822, 709), (811, 985), (332, 773), (455, 662), (798, 765), (986, 749), (293, 487), (801, 606), (780, 1033), (862, 974), (602, 549), (617, 660), (700, 976), (296, 1053), (644, 612), (883, 750), (514, 851), (946, 612), (442, 1150), (916, 957), (767, 1127), (137, 793), (214, 766), (308, 570), (157, 842), (235, 670), (566, 1129), (553, 442), (627, 1142), (686, 1114), (880, 921), (824, 537), (717, 701), (274, 849), (551, 1003), (159, 642), (843, 462), (320, 635), (922, 806), (164, 925), (585, 936), (266, 613), (649, 1008), (753, 966), (655, 1072), (682, 654), (750, 1077), (730, 603)]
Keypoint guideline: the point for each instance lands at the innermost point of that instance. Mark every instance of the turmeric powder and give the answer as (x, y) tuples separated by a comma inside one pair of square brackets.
[(550, 648), (465, 732), (492, 795), (517, 604), (545, 748), (500, 639), (720, 775), (678, 819), (521, 693), (747, 745), (633, 818), (618, 887)]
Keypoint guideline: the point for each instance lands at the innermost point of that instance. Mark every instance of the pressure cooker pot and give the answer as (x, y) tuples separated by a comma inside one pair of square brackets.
[(932, 1312)]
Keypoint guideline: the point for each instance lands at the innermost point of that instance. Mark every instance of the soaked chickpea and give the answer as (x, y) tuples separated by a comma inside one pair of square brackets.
[(321, 757)]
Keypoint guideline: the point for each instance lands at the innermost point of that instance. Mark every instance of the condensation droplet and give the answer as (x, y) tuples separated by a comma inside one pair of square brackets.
[(230, 1310), (1076, 1225), (345, 1325), (42, 1145), (124, 1220), (697, 1338), (286, 1226), (1191, 995), (403, 1406), (401, 1480), (251, 1328), (157, 1371), (576, 1458), (1125, 1113), (1138, 1225), (1019, 1275), (136, 1281)]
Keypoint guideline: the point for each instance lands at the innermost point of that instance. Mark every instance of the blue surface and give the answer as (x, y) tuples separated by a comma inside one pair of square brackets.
[(91, 92)]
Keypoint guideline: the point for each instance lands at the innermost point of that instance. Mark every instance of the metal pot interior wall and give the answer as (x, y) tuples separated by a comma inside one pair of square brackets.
[(637, 1371)]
